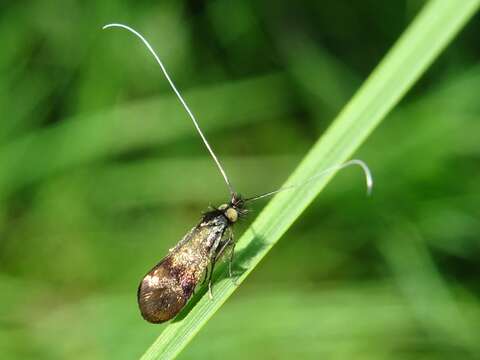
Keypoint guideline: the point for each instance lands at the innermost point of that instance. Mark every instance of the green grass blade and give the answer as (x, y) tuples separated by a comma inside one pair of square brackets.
[(427, 36)]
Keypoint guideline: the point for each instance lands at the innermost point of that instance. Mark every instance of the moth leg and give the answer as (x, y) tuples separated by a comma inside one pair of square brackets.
[(213, 258), (229, 243), (231, 249), (230, 260), (205, 276), (212, 266), (215, 255)]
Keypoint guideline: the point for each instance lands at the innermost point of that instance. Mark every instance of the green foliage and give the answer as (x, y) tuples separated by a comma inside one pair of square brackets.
[(101, 173), (427, 36)]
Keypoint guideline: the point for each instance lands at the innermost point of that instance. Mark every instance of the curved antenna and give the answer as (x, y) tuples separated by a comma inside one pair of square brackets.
[(185, 106), (362, 164)]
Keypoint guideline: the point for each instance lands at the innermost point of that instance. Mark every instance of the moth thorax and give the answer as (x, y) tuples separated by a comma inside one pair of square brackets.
[(230, 213)]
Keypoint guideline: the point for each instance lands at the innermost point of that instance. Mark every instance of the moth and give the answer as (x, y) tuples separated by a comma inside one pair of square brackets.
[(165, 290), (168, 286)]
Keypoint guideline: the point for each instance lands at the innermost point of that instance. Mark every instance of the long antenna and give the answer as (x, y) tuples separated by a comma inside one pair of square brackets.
[(204, 139), (362, 164)]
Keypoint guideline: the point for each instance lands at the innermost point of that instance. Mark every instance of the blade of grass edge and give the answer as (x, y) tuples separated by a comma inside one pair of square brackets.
[(435, 26)]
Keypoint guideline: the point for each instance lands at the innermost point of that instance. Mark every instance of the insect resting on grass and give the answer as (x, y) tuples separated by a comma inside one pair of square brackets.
[(166, 288)]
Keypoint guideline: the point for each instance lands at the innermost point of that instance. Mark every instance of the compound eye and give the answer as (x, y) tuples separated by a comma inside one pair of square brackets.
[(231, 214)]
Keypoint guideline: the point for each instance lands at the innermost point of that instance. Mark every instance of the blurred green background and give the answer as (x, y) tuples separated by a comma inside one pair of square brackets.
[(101, 172)]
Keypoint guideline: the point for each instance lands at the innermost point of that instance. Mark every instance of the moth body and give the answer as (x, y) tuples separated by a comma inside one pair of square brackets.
[(166, 288)]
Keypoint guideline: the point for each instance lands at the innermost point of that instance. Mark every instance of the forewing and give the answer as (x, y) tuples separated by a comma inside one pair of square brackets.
[(160, 294), (165, 289)]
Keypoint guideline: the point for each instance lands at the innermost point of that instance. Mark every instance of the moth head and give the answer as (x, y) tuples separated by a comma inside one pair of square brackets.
[(234, 209), (230, 212)]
